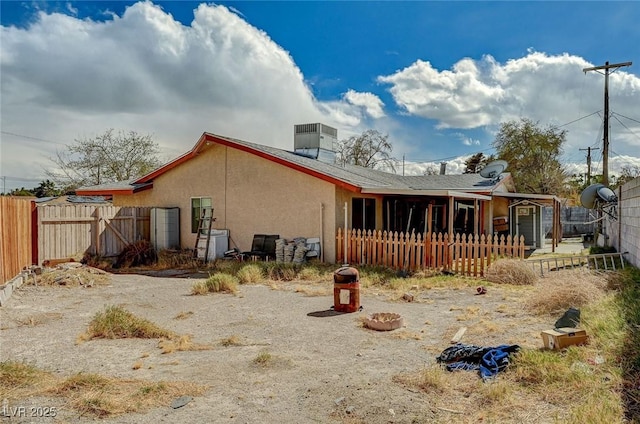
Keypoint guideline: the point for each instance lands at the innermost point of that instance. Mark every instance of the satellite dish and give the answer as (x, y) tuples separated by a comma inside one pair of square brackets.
[(589, 194), (606, 194), (494, 169)]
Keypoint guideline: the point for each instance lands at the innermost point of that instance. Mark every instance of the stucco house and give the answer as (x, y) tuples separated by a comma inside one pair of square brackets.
[(256, 189)]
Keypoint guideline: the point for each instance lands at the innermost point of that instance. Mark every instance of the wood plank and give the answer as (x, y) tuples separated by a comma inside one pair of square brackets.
[(458, 336)]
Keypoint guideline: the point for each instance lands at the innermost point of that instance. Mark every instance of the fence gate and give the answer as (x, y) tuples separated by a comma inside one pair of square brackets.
[(70, 231)]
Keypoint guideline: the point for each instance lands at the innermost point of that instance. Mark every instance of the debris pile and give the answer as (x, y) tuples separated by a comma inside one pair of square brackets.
[(70, 274)]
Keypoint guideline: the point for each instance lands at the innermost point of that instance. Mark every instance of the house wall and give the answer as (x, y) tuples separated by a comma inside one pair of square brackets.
[(347, 196), (624, 233), (250, 195)]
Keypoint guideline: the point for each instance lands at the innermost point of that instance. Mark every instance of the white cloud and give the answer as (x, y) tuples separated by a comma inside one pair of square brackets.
[(64, 78), (551, 90), (368, 101), (71, 9)]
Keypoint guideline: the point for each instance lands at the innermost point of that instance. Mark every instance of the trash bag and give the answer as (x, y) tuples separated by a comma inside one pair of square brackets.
[(571, 318)]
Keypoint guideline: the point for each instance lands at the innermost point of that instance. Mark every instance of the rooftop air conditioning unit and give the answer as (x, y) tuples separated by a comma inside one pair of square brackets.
[(317, 141)]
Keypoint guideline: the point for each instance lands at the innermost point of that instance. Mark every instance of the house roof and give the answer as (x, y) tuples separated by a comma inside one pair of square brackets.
[(70, 199), (351, 177)]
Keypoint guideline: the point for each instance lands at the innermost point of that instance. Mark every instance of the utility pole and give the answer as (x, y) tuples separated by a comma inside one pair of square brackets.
[(605, 138), (588, 149)]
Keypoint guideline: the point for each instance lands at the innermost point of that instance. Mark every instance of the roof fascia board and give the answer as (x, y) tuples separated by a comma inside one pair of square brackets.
[(177, 161), (440, 193), (108, 192), (529, 196)]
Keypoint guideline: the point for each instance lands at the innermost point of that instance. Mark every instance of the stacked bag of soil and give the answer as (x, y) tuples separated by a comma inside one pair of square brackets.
[(280, 243)]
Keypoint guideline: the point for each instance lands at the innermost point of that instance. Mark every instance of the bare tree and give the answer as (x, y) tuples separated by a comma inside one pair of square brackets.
[(370, 149), (431, 170), (109, 157)]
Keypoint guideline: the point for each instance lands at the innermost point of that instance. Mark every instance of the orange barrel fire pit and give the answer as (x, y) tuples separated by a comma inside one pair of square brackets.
[(346, 289)]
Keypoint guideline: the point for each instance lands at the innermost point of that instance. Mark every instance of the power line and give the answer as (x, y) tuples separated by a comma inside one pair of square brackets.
[(626, 117), (628, 129), (579, 119), (32, 138)]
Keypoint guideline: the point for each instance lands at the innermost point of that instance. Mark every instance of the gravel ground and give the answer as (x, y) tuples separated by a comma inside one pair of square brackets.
[(323, 368)]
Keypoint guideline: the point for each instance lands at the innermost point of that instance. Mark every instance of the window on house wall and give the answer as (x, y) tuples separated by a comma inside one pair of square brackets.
[(363, 214), (197, 204)]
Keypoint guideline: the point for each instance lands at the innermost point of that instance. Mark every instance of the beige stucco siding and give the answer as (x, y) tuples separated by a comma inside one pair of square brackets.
[(345, 196), (250, 195)]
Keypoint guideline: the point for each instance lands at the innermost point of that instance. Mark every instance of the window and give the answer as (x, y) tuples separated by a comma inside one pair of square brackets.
[(363, 216), (197, 204)]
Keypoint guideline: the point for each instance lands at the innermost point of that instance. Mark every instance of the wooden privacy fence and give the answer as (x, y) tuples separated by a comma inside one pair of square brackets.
[(67, 231), (464, 254), (15, 236)]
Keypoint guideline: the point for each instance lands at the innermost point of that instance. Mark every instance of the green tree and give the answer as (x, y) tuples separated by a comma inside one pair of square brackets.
[(109, 157), (369, 149), (628, 173), (21, 192), (47, 188), (533, 156), (475, 163)]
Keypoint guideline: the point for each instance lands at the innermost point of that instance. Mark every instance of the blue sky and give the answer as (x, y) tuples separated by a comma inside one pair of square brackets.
[(438, 77)]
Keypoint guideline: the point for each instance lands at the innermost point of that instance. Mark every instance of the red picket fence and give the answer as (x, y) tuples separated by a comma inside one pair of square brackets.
[(464, 254)]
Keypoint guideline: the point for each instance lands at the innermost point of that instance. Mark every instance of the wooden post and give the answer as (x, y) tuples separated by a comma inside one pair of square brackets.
[(96, 234)]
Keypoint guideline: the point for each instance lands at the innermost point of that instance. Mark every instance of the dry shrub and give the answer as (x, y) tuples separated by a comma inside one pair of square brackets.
[(139, 253), (250, 274), (511, 271), (116, 322), (564, 289), (309, 274), (280, 271), (177, 259)]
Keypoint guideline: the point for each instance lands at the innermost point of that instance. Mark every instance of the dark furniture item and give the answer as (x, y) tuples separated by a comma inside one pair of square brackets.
[(263, 246)]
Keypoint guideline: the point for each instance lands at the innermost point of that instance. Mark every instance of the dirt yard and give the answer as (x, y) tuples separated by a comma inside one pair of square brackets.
[(322, 367)]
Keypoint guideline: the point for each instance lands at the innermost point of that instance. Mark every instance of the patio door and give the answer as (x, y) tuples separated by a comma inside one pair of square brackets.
[(526, 225)]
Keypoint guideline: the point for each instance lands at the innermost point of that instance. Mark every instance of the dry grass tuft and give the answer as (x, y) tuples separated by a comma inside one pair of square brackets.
[(39, 319), (217, 283), (280, 271), (564, 289), (116, 322), (263, 359), (511, 271), (432, 379), (313, 290), (183, 315), (250, 274), (310, 274), (232, 340), (180, 344), (92, 394)]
